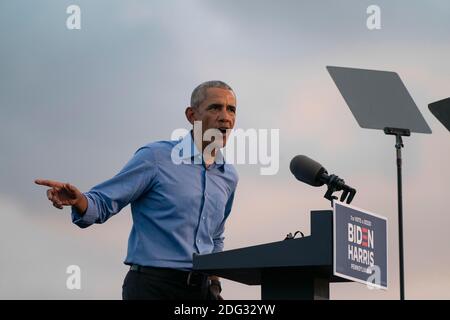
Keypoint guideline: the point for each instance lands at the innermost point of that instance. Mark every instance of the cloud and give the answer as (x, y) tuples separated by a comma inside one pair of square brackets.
[(37, 249), (76, 105)]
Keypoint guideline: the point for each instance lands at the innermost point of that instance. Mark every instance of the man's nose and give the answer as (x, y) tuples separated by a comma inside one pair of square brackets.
[(225, 116)]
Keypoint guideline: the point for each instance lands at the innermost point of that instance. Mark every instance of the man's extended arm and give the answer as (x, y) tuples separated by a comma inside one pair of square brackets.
[(109, 197)]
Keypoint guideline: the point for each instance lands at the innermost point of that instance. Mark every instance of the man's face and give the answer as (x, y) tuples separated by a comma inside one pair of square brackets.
[(217, 111)]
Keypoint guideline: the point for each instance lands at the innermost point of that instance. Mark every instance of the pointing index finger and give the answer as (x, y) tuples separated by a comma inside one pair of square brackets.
[(48, 183)]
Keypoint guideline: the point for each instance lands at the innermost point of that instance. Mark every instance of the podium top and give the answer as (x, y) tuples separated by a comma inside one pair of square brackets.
[(378, 99), (312, 254)]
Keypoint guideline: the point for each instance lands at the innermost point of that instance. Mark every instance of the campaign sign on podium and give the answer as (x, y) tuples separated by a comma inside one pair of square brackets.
[(360, 245)]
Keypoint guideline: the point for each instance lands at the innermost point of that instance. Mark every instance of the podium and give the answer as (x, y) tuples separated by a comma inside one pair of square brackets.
[(293, 269)]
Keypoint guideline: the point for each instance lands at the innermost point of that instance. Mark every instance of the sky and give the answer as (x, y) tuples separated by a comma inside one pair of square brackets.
[(76, 104)]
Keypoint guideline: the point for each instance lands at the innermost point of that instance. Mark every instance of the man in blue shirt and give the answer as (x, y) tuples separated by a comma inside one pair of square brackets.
[(181, 194)]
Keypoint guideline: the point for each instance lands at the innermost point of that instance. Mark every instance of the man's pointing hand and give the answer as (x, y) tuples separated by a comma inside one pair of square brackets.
[(64, 194)]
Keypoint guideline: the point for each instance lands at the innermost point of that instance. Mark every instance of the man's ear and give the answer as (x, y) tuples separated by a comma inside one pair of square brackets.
[(190, 116)]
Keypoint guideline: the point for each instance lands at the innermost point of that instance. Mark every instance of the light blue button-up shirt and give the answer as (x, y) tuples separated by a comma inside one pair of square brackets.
[(177, 209)]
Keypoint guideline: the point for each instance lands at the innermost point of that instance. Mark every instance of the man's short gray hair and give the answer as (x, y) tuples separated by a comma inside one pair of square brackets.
[(199, 93)]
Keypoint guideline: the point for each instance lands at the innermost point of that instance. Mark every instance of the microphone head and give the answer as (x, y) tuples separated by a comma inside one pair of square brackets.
[(307, 170)]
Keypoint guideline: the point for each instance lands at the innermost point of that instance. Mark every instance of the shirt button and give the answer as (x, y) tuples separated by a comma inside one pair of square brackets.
[(204, 218), (198, 241)]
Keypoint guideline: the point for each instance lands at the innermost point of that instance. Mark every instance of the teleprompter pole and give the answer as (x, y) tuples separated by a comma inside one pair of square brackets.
[(398, 146)]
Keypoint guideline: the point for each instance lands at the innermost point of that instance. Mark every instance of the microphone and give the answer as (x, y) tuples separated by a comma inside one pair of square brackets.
[(313, 173)]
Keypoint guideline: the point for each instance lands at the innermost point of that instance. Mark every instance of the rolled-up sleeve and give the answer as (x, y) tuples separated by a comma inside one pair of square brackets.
[(109, 197)]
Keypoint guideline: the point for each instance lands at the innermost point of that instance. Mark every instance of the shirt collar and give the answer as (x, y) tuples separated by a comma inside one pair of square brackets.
[(190, 151)]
